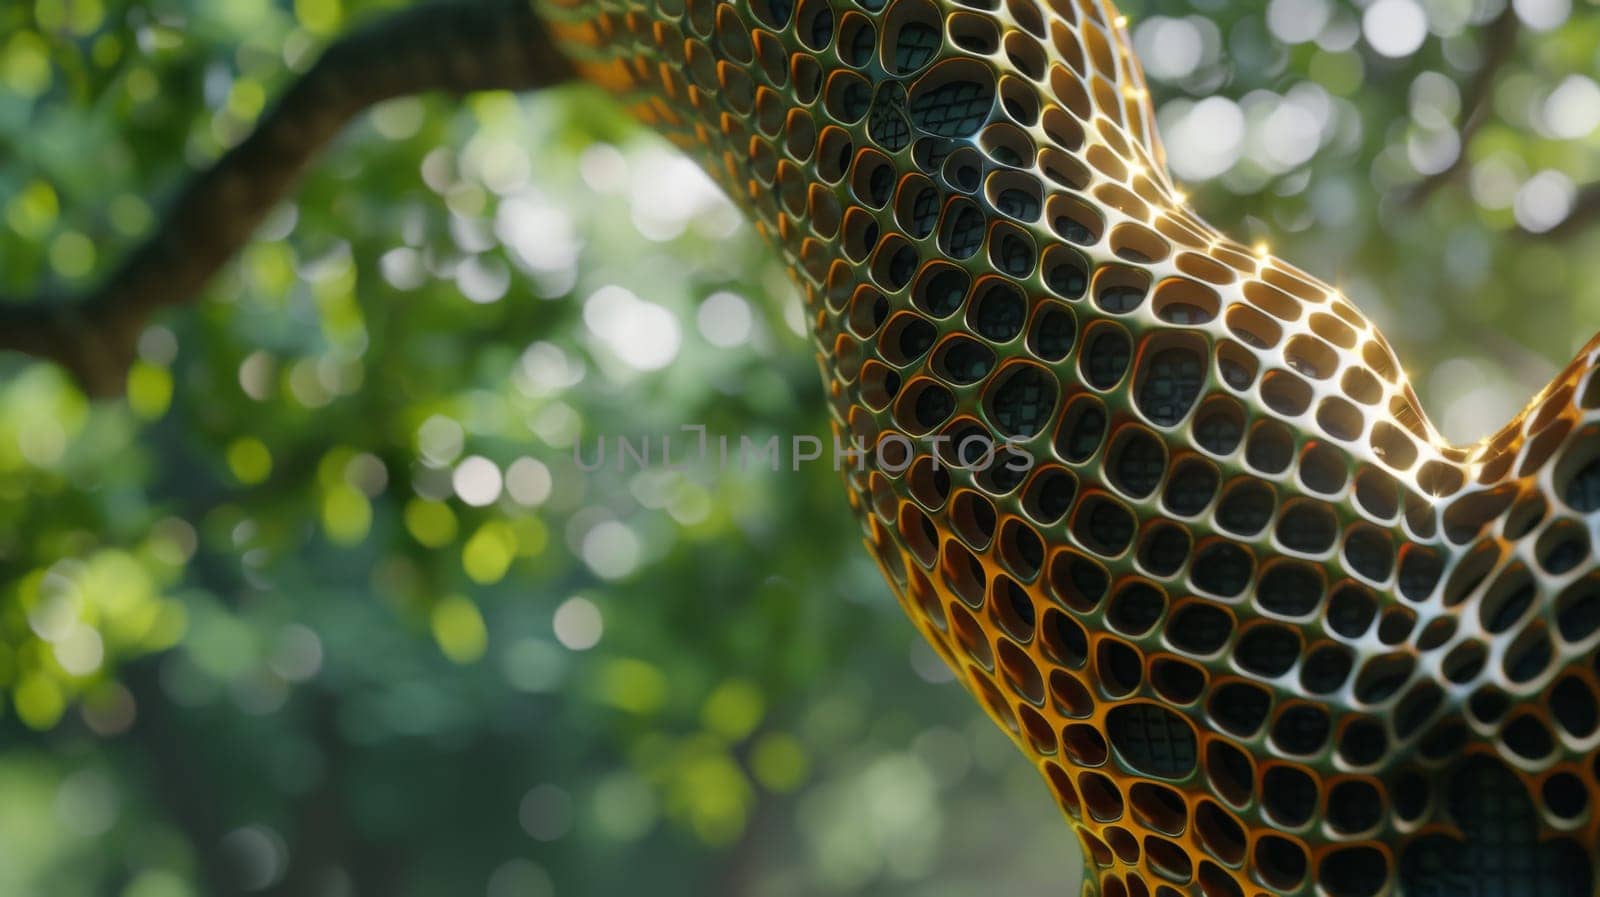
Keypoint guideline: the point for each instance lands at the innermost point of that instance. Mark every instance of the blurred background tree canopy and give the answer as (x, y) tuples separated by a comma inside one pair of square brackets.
[(326, 607)]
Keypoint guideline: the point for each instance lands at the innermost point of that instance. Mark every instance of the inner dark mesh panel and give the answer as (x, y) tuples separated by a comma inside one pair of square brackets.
[(955, 109), (1308, 527), (1105, 358), (1582, 492), (1270, 448), (975, 518), (902, 265), (1230, 772), (1023, 550), (1268, 650), (1218, 431), (924, 213), (880, 311), (1396, 626), (819, 33), (1199, 628), (943, 292), (1018, 204), (967, 361), (1497, 851), (964, 169), (1234, 374), (1574, 707), (888, 127), (861, 45), (879, 186), (1354, 872), (1420, 570), (1136, 607), (1564, 554), (962, 235), (1152, 740), (1120, 299), (779, 12), (1578, 611), (1022, 401), (969, 445), (1290, 588), (1487, 705), (1053, 334), (1280, 862), (930, 153), (1565, 795), (914, 47), (867, 240), (1005, 155), (1370, 553), (1068, 279), (1326, 669), (1410, 791), (1120, 667), (1073, 230), (1018, 606), (1302, 729), (1499, 611), (1184, 313), (1322, 469), (934, 406), (1005, 473), (855, 101), (1015, 256), (1363, 742), (916, 337), (891, 383), (1000, 312), (1528, 737), (1222, 569), (1053, 493), (1171, 383), (1164, 549), (1289, 794), (1065, 639), (1220, 831), (1085, 434), (1246, 507), (1529, 659), (1380, 678), (1106, 528), (1444, 740), (1240, 708), (1191, 487), (1177, 681), (1083, 582), (1137, 463)]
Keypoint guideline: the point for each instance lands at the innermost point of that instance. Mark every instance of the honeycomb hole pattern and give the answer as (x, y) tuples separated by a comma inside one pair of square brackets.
[(1259, 627)]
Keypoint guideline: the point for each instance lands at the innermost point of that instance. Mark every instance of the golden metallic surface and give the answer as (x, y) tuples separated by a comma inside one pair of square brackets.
[(1259, 627)]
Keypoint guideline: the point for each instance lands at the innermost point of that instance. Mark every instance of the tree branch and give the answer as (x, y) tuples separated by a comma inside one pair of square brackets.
[(1499, 43), (453, 46)]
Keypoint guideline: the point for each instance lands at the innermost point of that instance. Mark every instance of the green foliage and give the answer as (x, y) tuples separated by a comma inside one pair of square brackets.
[(327, 607)]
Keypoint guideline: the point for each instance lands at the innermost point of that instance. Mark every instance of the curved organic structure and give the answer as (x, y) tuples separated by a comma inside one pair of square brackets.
[(1261, 629), (1258, 625)]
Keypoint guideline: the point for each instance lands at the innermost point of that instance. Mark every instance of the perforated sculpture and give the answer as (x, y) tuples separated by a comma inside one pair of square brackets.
[(1258, 625), (1261, 629)]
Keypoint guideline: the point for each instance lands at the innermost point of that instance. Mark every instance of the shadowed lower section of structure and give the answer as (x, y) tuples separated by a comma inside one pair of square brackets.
[(1165, 503)]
